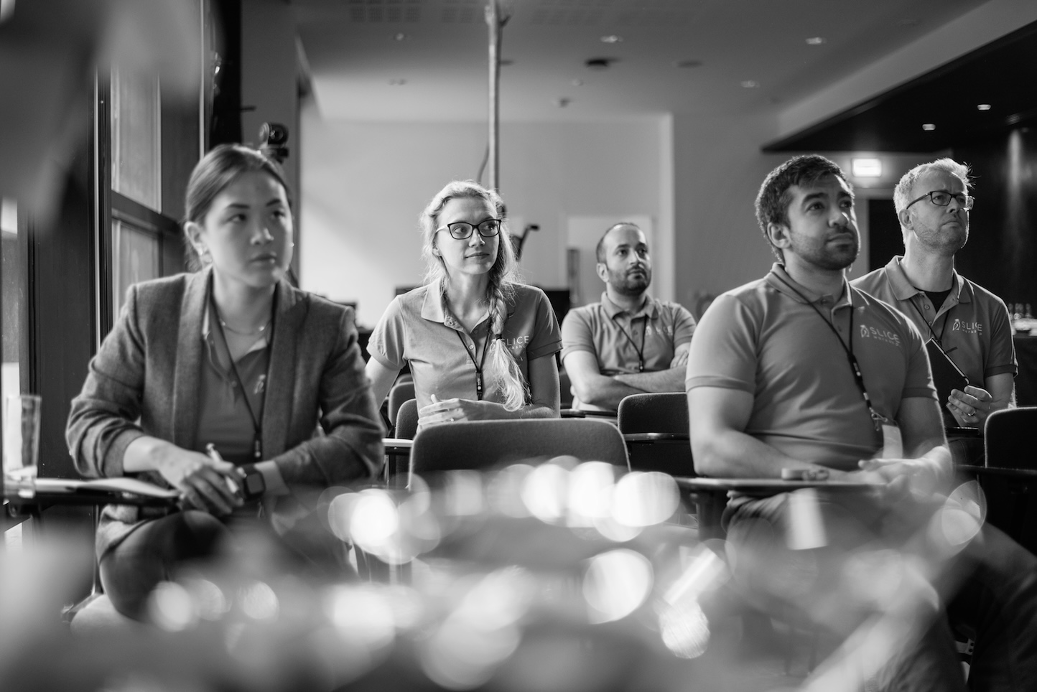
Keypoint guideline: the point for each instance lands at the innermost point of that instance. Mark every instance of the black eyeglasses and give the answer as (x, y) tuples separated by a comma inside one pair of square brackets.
[(943, 198), (460, 230)]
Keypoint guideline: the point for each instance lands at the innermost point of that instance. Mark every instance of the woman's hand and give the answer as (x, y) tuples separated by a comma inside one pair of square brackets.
[(205, 483), (453, 410)]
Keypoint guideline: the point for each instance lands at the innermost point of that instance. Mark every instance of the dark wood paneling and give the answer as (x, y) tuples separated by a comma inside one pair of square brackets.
[(61, 309), (884, 233), (1000, 253)]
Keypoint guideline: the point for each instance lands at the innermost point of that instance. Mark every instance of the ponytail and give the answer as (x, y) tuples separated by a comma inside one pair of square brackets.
[(501, 373)]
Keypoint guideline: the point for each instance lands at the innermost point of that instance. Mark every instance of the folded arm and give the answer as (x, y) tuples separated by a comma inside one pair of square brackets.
[(720, 445)]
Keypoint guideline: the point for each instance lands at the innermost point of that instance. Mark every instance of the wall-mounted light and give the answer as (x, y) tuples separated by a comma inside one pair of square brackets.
[(611, 38), (983, 106), (866, 168), (749, 84), (929, 127), (815, 41)]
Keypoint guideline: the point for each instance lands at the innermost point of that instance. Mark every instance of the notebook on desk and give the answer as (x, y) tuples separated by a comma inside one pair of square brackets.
[(946, 374)]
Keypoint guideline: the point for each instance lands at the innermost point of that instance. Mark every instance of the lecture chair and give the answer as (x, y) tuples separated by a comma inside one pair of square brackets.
[(482, 445), (400, 392), (655, 427), (1008, 476), (407, 420)]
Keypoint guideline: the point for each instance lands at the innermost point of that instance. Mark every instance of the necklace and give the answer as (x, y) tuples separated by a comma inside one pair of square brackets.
[(231, 329)]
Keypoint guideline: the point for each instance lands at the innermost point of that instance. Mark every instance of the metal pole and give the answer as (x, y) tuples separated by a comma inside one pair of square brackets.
[(494, 26)]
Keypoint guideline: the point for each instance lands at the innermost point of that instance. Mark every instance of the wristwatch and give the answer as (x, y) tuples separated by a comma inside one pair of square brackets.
[(252, 484)]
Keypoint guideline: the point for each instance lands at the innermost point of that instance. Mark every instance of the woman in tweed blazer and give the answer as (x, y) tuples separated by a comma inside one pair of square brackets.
[(170, 378)]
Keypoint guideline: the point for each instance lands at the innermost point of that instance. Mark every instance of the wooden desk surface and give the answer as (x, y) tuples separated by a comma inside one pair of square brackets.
[(655, 437), (749, 485)]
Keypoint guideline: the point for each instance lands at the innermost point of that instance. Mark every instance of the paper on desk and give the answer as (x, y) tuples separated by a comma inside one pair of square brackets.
[(119, 485)]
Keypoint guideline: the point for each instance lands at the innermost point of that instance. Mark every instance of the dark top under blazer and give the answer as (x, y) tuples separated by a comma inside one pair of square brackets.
[(145, 380)]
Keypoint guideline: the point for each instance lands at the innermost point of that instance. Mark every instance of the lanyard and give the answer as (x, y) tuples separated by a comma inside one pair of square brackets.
[(257, 424), (936, 337), (641, 351), (877, 418), (482, 360)]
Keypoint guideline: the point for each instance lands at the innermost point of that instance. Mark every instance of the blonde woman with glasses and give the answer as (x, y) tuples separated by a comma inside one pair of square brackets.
[(480, 344)]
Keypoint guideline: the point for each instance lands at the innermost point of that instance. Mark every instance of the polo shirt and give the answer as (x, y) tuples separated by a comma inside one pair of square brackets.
[(615, 335), (764, 339), (972, 325), (418, 328), (224, 419)]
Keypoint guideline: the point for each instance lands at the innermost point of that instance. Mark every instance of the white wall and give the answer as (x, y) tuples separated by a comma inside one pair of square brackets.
[(366, 183)]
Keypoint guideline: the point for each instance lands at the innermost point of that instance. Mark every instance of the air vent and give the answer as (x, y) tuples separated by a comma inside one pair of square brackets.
[(599, 63)]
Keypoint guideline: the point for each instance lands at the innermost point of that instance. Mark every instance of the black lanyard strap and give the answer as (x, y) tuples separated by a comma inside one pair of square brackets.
[(257, 423), (936, 337), (877, 418), (640, 351), (482, 361)]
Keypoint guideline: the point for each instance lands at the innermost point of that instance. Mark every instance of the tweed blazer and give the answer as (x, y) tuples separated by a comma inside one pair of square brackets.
[(145, 380)]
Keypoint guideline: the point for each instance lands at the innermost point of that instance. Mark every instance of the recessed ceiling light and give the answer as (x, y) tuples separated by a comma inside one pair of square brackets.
[(611, 38), (815, 41), (688, 63), (866, 168), (397, 82), (983, 106), (929, 127), (400, 37), (749, 84)]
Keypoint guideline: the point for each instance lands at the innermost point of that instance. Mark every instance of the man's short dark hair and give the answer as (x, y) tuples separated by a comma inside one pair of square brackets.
[(600, 248), (772, 203)]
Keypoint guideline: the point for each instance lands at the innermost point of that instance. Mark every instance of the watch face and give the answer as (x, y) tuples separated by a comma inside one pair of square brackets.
[(254, 484)]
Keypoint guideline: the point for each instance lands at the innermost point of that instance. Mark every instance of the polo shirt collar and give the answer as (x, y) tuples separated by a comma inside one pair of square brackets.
[(782, 282), (434, 308), (904, 290), (648, 309)]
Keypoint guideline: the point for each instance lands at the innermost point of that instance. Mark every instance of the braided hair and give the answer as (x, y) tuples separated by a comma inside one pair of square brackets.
[(501, 372)]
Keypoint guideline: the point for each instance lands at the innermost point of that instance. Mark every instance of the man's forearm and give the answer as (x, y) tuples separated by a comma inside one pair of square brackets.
[(604, 391), (671, 380), (732, 454)]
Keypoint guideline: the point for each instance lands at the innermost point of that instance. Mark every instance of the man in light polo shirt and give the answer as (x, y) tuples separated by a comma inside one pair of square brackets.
[(801, 372), (968, 323), (629, 343)]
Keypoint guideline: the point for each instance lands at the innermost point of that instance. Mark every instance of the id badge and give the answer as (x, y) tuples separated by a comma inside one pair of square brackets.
[(892, 446)]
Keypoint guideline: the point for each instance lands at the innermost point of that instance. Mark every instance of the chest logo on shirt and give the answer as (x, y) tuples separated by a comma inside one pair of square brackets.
[(665, 330), (967, 327), (517, 344), (884, 335)]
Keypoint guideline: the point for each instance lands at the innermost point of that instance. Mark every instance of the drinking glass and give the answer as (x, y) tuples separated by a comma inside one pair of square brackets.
[(21, 438)]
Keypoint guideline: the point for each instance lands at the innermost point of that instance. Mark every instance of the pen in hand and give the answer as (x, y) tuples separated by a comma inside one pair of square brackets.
[(232, 487)]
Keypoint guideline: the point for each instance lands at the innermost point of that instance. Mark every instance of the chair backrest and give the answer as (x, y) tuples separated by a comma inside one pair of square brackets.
[(663, 412), (401, 392), (407, 420), (487, 444), (1009, 438)]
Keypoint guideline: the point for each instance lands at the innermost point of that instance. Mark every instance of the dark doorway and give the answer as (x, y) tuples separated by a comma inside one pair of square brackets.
[(884, 233)]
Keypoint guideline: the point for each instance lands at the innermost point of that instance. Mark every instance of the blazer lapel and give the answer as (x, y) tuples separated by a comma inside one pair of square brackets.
[(279, 399), (187, 373)]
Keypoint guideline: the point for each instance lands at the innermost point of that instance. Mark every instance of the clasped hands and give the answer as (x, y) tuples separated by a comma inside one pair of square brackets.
[(454, 410), (205, 483)]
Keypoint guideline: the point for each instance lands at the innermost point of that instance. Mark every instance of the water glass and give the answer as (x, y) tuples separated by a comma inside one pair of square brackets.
[(21, 436)]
